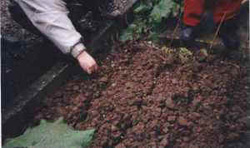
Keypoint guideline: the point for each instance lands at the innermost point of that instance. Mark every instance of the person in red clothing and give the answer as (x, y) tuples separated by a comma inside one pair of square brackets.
[(198, 13)]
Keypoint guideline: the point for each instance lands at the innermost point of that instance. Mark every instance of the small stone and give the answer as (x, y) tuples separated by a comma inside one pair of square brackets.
[(193, 146), (194, 116), (221, 138), (165, 130), (76, 87), (171, 118), (195, 102), (104, 79), (182, 121), (174, 81), (120, 145), (113, 128), (233, 136), (164, 142), (198, 129), (170, 103), (153, 145), (58, 94), (186, 139), (129, 85), (75, 108)]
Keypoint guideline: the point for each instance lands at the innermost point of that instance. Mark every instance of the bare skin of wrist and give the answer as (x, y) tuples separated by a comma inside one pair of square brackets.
[(87, 62)]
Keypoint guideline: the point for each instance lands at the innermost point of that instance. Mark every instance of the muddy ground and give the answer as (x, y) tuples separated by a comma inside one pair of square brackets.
[(145, 97), (10, 28)]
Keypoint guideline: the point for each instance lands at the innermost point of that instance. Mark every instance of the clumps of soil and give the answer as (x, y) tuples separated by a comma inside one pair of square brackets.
[(116, 7), (10, 28), (143, 97)]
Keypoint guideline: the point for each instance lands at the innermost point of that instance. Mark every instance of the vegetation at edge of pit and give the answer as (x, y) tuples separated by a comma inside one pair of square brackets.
[(52, 134), (150, 18)]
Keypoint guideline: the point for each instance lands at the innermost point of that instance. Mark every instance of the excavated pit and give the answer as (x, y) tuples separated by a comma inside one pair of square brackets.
[(143, 97)]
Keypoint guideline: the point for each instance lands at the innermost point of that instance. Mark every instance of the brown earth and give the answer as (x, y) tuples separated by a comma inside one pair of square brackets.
[(143, 97), (11, 28)]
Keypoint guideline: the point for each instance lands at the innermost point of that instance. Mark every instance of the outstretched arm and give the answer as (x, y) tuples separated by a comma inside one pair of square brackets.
[(51, 18)]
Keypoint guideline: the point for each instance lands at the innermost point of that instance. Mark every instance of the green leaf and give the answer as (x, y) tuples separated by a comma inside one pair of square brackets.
[(52, 135), (154, 37), (161, 10), (203, 54), (185, 55), (128, 34), (142, 8), (185, 52), (150, 18)]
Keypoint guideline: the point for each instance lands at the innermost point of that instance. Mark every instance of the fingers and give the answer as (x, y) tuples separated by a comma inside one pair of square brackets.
[(92, 69), (87, 63), (88, 71), (96, 67)]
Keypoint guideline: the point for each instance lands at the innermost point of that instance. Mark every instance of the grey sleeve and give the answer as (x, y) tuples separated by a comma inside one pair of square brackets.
[(51, 18)]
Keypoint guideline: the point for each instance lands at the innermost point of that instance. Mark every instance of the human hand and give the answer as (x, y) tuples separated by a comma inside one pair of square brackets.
[(87, 62)]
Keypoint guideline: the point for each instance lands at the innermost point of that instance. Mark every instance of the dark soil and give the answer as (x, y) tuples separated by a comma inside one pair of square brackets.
[(143, 97), (12, 29)]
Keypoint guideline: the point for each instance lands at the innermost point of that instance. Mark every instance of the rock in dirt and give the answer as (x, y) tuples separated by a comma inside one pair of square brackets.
[(164, 142), (182, 121), (170, 103), (171, 118), (121, 145), (233, 136)]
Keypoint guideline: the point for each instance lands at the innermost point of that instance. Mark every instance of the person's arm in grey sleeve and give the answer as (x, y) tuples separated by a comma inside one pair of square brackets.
[(51, 18)]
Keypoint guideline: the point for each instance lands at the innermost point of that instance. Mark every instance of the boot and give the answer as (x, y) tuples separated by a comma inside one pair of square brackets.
[(188, 36), (230, 39)]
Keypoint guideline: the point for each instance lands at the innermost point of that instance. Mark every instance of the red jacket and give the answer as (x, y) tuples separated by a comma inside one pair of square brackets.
[(193, 10)]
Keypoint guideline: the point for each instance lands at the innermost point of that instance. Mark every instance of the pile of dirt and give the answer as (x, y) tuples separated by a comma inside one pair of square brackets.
[(9, 28), (143, 97)]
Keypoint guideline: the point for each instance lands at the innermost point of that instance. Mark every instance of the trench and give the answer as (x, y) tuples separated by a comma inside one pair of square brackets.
[(127, 126)]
